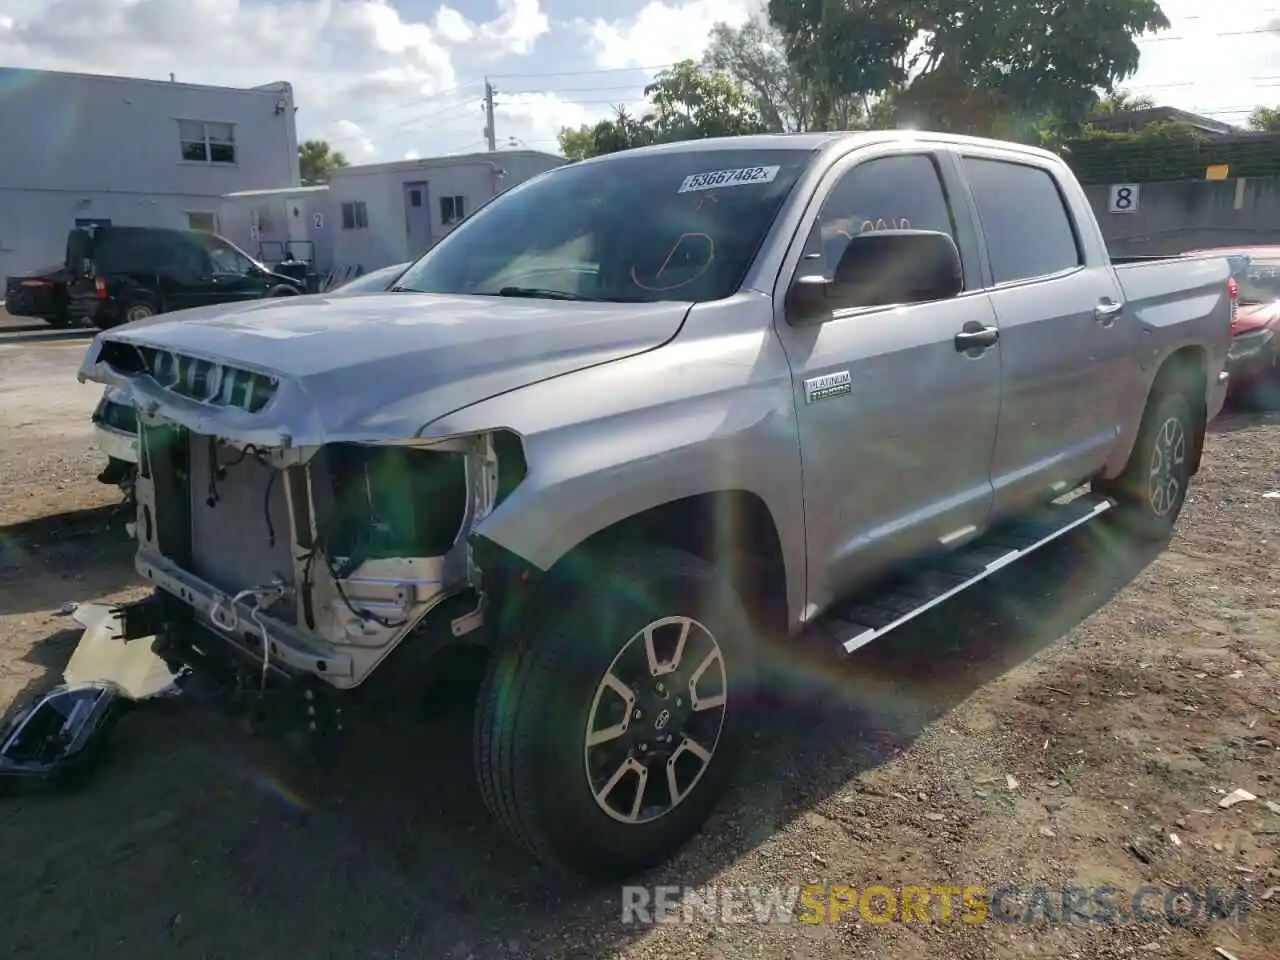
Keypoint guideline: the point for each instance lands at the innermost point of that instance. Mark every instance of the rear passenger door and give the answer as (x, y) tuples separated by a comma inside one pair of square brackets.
[(898, 460), (1061, 330)]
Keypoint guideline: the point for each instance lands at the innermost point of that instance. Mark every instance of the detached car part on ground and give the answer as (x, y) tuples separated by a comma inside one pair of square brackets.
[(578, 449), (125, 274), (115, 423)]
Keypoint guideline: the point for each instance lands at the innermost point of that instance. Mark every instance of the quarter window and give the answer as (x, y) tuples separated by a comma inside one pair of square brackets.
[(889, 193), (1027, 227)]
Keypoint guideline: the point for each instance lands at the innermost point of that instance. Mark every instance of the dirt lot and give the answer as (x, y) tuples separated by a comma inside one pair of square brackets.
[(1056, 727)]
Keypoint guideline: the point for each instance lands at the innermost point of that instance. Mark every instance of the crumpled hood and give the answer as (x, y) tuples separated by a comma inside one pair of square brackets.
[(362, 367)]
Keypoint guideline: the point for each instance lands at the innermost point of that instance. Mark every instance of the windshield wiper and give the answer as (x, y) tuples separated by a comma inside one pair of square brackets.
[(543, 294)]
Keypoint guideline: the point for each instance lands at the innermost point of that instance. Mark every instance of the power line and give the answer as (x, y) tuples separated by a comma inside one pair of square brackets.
[(581, 73)]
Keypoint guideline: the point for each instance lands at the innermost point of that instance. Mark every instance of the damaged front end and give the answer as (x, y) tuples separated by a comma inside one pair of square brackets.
[(312, 561)]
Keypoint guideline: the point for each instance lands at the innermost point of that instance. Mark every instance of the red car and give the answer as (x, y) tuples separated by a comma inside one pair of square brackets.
[(1253, 362)]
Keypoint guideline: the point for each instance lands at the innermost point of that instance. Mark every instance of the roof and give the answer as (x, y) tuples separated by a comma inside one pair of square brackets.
[(1130, 119), (276, 88), (278, 191), (809, 142), (450, 160)]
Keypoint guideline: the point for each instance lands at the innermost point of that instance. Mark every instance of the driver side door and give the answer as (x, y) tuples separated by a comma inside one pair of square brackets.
[(896, 422)]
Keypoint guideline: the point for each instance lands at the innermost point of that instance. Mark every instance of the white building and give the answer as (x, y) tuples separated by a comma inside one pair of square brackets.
[(375, 215), (275, 224), (386, 213), (81, 149)]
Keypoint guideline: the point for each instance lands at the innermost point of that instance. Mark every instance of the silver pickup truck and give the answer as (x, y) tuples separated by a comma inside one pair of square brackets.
[(638, 424)]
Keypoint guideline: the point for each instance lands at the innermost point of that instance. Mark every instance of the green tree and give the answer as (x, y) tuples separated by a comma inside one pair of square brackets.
[(1120, 101), (689, 104), (1265, 120), (961, 65), (686, 103), (754, 55), (577, 143), (316, 159)]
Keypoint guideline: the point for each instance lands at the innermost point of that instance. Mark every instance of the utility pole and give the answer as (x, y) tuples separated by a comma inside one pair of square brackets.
[(489, 133)]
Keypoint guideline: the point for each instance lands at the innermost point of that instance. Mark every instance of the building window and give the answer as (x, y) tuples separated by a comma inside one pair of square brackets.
[(207, 142), (355, 216), (202, 220), (452, 209), (415, 198)]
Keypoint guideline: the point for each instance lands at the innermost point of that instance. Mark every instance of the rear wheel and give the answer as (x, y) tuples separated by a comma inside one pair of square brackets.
[(605, 736), (1152, 488), (139, 310)]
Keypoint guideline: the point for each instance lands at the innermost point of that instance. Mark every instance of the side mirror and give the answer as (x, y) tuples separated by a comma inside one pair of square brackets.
[(883, 268), (807, 300)]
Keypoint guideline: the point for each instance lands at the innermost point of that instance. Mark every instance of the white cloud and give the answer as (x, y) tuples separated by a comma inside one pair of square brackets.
[(343, 132), (364, 72), (661, 32), (1221, 63)]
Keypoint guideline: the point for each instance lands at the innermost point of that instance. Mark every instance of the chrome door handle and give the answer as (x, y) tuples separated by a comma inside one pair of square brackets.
[(1107, 311)]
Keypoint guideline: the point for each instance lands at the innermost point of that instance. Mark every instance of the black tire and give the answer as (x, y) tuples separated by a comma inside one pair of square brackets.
[(531, 751), (1152, 488), (140, 307), (283, 290)]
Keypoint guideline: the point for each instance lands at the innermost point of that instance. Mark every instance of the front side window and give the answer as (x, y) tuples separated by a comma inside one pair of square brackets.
[(226, 258), (887, 193), (1024, 219), (681, 226)]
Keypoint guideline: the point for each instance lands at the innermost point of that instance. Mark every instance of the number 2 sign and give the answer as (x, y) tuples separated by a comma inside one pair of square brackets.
[(1124, 198)]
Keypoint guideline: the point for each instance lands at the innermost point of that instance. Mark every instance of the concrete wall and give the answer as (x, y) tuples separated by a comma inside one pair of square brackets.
[(476, 177), (78, 146), (1191, 214)]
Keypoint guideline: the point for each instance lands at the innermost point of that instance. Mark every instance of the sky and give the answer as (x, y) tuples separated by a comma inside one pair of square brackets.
[(392, 79)]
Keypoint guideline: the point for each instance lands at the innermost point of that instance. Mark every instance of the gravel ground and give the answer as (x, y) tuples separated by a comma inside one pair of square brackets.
[(1055, 727)]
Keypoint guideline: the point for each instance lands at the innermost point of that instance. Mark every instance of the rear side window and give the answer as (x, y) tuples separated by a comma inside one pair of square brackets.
[(1025, 222), (120, 251)]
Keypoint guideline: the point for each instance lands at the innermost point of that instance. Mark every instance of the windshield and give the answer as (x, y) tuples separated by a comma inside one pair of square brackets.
[(1260, 282), (646, 227), (373, 281)]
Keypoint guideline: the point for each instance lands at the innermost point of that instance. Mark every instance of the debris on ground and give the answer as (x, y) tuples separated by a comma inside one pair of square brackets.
[(1234, 797)]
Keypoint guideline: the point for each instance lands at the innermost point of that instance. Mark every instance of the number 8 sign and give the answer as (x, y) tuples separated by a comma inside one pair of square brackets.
[(1124, 198)]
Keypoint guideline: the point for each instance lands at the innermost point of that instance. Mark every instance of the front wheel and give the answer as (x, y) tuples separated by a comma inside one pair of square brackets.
[(1152, 488), (606, 734)]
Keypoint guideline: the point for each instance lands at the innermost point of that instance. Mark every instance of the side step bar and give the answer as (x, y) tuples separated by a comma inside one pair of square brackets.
[(931, 582)]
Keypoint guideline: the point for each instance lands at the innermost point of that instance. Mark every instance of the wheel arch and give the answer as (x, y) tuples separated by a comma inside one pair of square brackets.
[(733, 528), (1183, 368)]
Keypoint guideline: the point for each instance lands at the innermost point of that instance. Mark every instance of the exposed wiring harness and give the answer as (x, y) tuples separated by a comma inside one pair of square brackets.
[(337, 575), (228, 616)]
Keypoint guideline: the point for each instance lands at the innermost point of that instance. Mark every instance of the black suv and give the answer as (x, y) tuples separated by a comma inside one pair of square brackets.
[(122, 274)]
